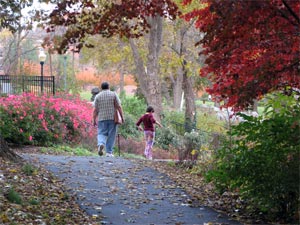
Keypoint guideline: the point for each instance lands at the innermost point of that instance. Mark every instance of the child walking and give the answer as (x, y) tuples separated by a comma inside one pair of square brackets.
[(149, 130)]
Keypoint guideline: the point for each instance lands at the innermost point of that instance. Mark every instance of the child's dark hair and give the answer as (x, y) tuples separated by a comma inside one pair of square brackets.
[(150, 109)]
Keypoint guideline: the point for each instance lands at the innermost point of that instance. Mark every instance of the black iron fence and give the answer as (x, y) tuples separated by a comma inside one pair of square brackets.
[(31, 84)]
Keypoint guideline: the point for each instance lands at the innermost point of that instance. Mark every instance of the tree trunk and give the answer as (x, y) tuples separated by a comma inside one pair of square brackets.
[(154, 86), (165, 93), (139, 64), (148, 77), (17, 68), (7, 153), (189, 97), (177, 90)]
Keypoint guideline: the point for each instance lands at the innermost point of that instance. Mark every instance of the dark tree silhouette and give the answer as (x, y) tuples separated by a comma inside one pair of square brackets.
[(7, 153)]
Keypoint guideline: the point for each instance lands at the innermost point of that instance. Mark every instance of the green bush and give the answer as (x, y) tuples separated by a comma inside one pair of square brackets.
[(261, 160), (193, 140), (166, 137), (128, 128), (174, 121), (207, 122), (133, 106), (188, 145)]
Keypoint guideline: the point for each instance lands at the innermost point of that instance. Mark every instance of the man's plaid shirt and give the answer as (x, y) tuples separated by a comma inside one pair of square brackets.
[(104, 104)]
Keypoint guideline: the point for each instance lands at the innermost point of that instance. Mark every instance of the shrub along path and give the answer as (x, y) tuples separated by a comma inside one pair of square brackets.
[(121, 191)]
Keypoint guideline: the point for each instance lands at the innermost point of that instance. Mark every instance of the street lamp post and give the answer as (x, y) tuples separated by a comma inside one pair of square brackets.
[(42, 58)]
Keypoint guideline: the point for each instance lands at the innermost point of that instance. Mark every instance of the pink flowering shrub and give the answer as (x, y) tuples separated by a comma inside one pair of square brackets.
[(45, 120)]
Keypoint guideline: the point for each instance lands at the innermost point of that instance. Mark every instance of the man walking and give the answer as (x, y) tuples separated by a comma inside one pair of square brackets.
[(103, 116)]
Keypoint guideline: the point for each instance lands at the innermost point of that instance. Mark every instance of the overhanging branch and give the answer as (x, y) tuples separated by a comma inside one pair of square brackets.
[(291, 11)]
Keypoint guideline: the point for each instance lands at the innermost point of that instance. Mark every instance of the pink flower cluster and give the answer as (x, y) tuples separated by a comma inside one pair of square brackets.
[(32, 119)]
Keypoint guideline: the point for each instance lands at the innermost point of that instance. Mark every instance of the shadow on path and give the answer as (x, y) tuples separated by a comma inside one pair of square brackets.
[(125, 192)]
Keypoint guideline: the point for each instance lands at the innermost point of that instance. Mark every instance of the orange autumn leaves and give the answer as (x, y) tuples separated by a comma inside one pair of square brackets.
[(90, 76)]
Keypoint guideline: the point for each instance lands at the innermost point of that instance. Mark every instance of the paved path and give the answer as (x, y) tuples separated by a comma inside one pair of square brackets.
[(126, 192)]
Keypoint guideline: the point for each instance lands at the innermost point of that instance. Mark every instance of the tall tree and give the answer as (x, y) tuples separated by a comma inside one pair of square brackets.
[(252, 47), (147, 71), (131, 19), (183, 81)]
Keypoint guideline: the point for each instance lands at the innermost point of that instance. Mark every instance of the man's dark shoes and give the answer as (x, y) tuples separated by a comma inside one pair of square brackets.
[(100, 150)]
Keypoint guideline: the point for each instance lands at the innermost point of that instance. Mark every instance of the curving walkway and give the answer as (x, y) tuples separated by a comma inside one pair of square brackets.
[(124, 191)]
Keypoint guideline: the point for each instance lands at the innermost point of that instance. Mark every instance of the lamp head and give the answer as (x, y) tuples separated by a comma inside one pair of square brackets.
[(42, 56)]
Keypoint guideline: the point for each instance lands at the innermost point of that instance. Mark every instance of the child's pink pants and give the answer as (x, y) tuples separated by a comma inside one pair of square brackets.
[(149, 139)]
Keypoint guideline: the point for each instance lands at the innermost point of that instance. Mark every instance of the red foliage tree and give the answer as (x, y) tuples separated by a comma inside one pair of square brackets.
[(252, 47)]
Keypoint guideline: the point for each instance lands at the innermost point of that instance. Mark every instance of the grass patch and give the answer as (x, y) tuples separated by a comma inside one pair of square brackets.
[(171, 163), (132, 156), (83, 152), (14, 197), (34, 201), (28, 169), (201, 102), (64, 149)]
